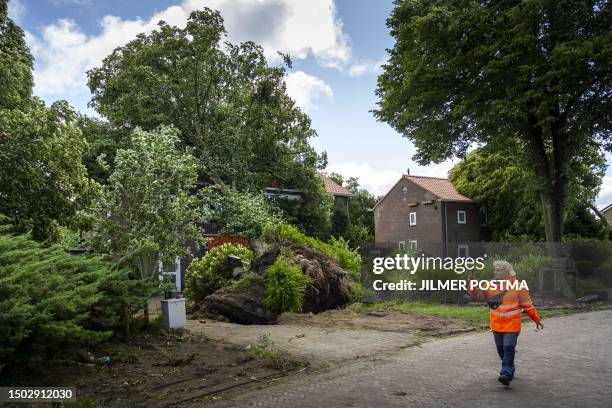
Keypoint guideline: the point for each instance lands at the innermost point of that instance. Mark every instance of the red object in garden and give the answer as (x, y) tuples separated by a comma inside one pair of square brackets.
[(217, 241)]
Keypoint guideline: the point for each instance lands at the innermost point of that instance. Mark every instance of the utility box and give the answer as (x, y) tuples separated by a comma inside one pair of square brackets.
[(174, 313)]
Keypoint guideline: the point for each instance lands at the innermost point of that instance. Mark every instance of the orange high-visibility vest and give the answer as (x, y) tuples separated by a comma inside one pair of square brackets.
[(507, 317)]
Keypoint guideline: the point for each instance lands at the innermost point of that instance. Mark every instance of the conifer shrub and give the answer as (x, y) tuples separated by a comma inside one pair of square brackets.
[(53, 304)]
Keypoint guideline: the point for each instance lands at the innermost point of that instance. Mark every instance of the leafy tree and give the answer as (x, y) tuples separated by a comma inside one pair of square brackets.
[(503, 185), (339, 222), (147, 210), (15, 63), (229, 105), (103, 141), (360, 206), (42, 179), (537, 73), (245, 214)]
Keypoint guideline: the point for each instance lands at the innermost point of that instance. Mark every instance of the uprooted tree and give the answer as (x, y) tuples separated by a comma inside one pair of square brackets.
[(538, 72)]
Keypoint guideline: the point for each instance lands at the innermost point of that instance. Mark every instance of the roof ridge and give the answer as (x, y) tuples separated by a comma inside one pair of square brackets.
[(432, 177)]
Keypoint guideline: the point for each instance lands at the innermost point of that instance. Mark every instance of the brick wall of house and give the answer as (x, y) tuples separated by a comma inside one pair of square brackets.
[(391, 216), (608, 215), (468, 232)]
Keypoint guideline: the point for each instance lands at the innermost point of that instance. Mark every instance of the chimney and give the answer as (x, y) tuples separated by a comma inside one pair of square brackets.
[(408, 171)]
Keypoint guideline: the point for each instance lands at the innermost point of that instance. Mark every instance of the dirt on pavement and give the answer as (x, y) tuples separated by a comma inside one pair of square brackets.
[(156, 371)]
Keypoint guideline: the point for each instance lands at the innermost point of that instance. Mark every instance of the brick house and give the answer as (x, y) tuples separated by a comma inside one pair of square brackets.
[(607, 212), (426, 214)]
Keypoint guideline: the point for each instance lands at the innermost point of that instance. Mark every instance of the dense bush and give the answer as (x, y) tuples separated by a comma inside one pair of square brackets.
[(52, 303), (349, 259), (209, 273), (285, 286), (246, 214)]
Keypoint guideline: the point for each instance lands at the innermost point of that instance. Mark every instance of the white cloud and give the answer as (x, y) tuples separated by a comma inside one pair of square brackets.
[(16, 9), (379, 181), (63, 53), (304, 89), (605, 195), (367, 67)]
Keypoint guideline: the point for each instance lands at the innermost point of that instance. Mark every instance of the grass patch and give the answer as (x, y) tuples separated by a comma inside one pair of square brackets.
[(475, 315)]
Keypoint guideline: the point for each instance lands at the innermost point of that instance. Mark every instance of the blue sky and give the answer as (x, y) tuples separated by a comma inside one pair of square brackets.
[(337, 47)]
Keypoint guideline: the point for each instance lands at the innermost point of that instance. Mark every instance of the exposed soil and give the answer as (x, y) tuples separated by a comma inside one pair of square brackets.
[(157, 371), (388, 321)]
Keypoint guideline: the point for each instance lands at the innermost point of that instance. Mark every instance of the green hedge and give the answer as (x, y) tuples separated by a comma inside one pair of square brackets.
[(208, 274)]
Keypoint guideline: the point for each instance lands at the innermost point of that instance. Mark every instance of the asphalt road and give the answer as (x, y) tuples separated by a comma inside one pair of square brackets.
[(569, 364)]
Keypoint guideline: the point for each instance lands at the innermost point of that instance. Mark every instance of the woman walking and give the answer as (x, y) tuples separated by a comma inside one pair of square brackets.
[(506, 309)]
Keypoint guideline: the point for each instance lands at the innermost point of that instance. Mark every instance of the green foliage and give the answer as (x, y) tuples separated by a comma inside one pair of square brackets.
[(247, 279), (15, 63), (229, 105), (504, 185), (52, 303), (246, 214), (42, 179), (210, 273), (339, 222), (311, 213), (349, 259), (147, 208), (464, 73), (285, 285)]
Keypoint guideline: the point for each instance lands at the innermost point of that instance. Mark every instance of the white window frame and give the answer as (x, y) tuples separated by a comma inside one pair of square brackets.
[(412, 219), (412, 245), (465, 248), (459, 218), (176, 272), (401, 245)]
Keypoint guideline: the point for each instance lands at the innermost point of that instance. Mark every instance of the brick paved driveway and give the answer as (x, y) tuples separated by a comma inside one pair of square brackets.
[(569, 364)]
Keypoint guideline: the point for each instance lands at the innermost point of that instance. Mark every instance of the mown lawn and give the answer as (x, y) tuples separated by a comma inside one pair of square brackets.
[(475, 314)]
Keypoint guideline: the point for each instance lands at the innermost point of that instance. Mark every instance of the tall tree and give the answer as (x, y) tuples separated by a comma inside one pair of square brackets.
[(537, 72), (15, 63), (229, 105), (42, 179)]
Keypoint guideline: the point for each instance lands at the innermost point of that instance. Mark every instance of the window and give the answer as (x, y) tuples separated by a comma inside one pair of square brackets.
[(401, 245), (463, 251), (172, 270), (412, 245), (412, 218), (460, 217)]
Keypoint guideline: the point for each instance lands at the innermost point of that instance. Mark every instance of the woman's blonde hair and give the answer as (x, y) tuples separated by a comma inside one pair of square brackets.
[(504, 266)]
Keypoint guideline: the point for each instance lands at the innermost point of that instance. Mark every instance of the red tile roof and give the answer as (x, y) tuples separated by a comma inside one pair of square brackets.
[(440, 187), (332, 187)]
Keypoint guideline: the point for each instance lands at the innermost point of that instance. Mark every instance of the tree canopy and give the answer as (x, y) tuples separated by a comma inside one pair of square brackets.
[(228, 104), (470, 72), (15, 63), (42, 178), (503, 186)]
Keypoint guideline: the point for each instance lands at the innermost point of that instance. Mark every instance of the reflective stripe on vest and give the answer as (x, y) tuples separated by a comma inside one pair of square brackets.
[(506, 314), (511, 306)]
